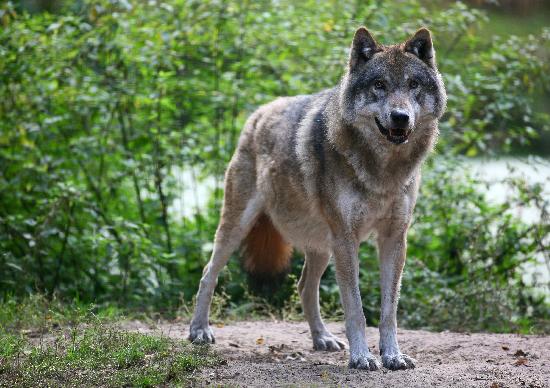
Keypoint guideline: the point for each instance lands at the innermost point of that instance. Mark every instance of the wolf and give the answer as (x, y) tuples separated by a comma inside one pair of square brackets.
[(322, 173)]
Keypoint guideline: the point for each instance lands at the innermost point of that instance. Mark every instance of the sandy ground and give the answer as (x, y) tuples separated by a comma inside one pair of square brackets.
[(268, 353)]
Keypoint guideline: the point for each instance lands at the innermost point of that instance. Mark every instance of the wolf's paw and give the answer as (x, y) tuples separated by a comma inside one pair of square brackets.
[(364, 361), (327, 342), (398, 361), (201, 335)]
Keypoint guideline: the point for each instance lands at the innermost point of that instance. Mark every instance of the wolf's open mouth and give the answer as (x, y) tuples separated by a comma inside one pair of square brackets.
[(395, 138)]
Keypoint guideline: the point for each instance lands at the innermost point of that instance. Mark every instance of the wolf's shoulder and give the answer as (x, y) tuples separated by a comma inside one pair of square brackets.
[(277, 121)]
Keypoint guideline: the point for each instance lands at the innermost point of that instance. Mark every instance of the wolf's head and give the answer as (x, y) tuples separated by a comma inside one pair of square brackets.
[(392, 93)]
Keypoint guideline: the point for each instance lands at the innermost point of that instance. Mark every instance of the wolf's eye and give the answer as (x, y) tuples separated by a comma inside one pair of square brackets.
[(379, 85), (413, 84)]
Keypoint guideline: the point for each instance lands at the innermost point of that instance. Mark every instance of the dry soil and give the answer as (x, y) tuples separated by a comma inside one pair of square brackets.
[(272, 353)]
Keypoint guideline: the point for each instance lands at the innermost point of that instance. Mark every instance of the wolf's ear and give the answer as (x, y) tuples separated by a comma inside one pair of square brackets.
[(363, 47), (421, 45)]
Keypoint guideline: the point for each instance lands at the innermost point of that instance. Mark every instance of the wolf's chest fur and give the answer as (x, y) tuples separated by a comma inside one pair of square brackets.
[(302, 220)]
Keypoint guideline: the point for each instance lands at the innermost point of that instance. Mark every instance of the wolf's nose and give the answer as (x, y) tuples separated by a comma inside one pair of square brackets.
[(399, 118)]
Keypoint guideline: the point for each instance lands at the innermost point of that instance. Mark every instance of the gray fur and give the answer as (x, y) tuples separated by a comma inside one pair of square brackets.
[(328, 175)]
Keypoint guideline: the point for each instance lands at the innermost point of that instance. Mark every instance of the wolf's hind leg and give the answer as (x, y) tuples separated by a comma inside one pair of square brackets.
[(308, 286), (237, 219)]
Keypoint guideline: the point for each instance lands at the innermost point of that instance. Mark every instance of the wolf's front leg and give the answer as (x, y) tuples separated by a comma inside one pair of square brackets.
[(392, 247), (347, 275)]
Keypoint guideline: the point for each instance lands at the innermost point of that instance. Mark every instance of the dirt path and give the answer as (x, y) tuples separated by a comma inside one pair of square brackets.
[(267, 353)]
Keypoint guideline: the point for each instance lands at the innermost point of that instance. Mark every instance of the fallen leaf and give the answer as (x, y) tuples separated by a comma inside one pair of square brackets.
[(260, 341), (220, 325), (520, 361), (504, 347)]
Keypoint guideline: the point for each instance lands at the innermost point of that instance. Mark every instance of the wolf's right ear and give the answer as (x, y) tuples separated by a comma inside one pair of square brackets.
[(421, 45), (363, 47)]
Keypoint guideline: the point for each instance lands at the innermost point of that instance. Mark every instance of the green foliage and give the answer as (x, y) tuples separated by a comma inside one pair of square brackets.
[(467, 257), (104, 105), (495, 106), (37, 312)]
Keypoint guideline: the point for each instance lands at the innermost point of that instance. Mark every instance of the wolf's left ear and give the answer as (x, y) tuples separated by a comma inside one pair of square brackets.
[(421, 46), (363, 47)]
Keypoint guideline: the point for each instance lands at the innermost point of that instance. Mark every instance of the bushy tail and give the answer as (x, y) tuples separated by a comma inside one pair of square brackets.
[(266, 255)]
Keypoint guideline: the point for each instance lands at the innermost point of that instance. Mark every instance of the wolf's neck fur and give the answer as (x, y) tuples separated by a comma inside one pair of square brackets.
[(379, 165)]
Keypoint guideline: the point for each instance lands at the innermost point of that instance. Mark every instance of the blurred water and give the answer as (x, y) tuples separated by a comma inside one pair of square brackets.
[(534, 170), (496, 171), (193, 193)]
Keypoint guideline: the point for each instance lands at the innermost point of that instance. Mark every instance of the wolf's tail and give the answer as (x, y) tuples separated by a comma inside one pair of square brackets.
[(266, 255)]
